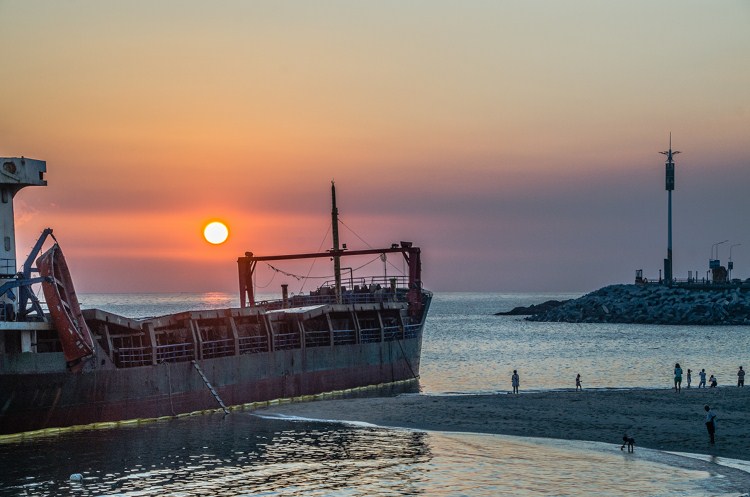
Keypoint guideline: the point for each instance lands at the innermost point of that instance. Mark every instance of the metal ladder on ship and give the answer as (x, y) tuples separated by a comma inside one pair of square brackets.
[(210, 387)]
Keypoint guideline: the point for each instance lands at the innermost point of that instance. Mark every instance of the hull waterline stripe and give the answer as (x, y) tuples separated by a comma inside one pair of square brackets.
[(250, 406)]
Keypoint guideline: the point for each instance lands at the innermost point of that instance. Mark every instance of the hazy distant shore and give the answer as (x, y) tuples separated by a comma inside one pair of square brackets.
[(657, 419)]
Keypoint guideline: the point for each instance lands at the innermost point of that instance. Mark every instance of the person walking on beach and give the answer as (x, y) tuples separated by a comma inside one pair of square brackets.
[(741, 377), (702, 383), (689, 377), (629, 441), (710, 423), (515, 381), (578, 382), (677, 378)]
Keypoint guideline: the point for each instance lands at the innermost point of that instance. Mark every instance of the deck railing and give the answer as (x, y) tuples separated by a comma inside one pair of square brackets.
[(284, 341), (253, 344), (411, 331), (344, 337), (696, 283), (369, 335), (176, 352), (378, 290), (391, 333), (317, 338), (286, 333), (130, 357), (218, 348)]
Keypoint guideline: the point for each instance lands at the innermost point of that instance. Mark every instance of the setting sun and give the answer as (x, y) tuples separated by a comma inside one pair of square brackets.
[(216, 232)]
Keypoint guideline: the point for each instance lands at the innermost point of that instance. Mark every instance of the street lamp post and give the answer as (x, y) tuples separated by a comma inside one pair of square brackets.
[(715, 264), (669, 165), (715, 247)]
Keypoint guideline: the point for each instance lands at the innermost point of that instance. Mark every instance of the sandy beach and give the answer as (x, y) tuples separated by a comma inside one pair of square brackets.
[(658, 419)]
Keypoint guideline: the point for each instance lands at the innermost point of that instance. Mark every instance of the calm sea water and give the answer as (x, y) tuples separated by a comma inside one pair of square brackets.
[(466, 350)]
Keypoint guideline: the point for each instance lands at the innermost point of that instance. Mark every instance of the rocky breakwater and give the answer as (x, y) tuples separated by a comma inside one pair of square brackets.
[(655, 304)]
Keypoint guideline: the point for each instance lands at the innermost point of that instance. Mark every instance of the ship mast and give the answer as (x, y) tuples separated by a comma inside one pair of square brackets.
[(336, 250), (246, 265)]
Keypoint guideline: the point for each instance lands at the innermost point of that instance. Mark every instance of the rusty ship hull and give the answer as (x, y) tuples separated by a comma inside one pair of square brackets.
[(54, 397), (169, 365)]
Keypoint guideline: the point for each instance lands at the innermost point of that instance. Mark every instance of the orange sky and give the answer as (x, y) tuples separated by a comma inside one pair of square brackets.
[(515, 142)]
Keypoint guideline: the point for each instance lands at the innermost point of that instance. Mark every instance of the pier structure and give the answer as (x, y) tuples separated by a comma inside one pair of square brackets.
[(668, 274)]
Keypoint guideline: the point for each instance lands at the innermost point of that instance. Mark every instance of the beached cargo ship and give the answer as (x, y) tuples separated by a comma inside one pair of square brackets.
[(66, 366)]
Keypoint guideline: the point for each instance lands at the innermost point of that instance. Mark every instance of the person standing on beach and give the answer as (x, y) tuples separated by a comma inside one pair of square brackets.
[(689, 377), (515, 381), (677, 378), (741, 377), (710, 422), (702, 375), (578, 382)]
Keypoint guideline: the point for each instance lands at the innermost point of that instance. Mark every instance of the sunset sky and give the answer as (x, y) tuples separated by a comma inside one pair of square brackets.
[(515, 142)]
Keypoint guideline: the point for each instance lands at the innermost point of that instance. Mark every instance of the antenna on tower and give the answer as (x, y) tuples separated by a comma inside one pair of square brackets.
[(669, 152)]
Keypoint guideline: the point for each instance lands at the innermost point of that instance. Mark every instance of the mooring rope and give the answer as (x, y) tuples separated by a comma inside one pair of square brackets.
[(312, 264), (325, 277), (355, 233), (406, 358)]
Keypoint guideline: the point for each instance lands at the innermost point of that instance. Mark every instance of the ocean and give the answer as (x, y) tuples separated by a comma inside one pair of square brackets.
[(467, 350)]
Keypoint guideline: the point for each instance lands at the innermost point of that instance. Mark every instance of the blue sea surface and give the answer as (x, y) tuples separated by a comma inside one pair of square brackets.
[(467, 350)]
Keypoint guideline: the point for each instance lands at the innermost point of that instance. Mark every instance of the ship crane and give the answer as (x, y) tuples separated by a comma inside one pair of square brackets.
[(411, 254)]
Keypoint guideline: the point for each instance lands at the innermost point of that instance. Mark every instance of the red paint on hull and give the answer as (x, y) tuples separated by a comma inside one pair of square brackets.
[(37, 401)]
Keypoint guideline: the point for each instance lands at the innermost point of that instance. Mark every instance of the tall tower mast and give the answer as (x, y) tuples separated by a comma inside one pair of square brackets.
[(668, 275), (335, 235)]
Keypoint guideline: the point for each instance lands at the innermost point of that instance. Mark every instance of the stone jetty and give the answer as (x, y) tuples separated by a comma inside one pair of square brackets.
[(532, 309), (655, 304)]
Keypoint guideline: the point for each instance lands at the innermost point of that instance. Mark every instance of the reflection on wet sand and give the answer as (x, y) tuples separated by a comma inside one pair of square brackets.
[(238, 455), (243, 454)]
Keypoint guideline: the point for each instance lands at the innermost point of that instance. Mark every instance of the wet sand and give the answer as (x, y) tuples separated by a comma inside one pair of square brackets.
[(657, 419)]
